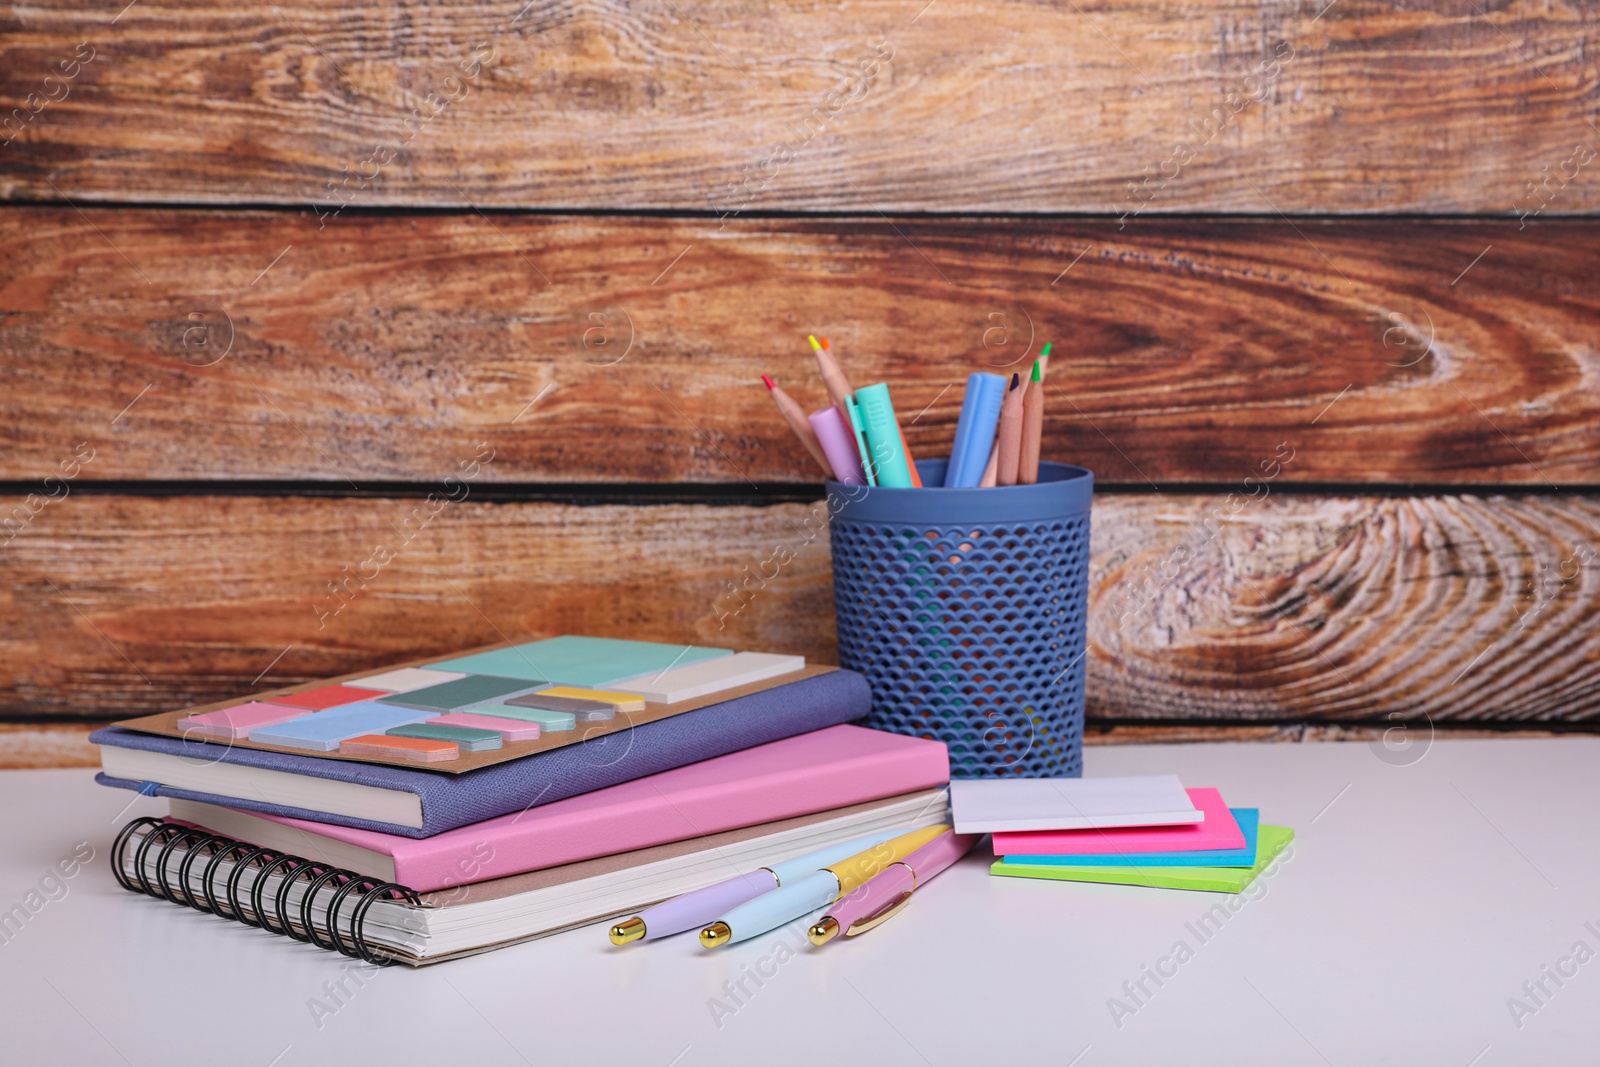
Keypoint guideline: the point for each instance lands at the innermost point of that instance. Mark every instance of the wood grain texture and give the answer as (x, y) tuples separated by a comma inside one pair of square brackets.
[(1440, 106), (26, 747), (1458, 610), (201, 345)]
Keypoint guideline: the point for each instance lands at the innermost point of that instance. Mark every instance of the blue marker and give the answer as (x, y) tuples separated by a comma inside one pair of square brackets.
[(980, 415)]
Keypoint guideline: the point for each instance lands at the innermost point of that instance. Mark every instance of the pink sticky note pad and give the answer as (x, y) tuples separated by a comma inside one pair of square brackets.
[(1220, 830), (235, 722), (508, 729), (328, 696)]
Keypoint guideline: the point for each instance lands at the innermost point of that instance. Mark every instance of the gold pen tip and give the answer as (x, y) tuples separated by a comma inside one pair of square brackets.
[(716, 934), (824, 931), (627, 930)]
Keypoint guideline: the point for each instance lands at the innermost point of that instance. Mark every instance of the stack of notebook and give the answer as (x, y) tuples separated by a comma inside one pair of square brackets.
[(445, 807), (1130, 831)]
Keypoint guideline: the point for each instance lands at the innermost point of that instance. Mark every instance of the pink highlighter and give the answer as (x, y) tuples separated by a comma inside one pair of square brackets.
[(886, 894), (839, 445)]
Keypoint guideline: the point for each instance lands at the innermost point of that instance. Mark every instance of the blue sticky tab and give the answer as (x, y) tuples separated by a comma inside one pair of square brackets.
[(1247, 818), (322, 731)]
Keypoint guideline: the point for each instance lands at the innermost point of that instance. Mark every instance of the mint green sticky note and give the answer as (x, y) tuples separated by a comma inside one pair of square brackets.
[(589, 662), (549, 721)]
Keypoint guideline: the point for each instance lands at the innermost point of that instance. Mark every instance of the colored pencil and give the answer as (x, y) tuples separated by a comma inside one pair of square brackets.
[(1032, 426), (1010, 453), (795, 416), (833, 379), (992, 469)]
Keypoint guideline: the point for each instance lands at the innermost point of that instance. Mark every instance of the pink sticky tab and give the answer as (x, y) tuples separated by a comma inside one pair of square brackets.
[(508, 729), (1220, 830), (236, 722)]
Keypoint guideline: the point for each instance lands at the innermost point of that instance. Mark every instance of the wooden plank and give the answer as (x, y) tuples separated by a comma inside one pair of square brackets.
[(199, 345), (31, 746), (1455, 609), (1011, 106), (47, 744)]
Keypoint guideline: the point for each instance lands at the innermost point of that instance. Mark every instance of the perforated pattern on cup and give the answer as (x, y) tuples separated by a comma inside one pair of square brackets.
[(973, 636)]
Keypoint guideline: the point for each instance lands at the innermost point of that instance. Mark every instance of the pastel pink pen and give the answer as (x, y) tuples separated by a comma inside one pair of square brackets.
[(838, 444), (888, 892)]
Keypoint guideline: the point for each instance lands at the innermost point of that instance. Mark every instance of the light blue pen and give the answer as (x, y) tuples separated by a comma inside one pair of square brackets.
[(816, 890), (695, 909)]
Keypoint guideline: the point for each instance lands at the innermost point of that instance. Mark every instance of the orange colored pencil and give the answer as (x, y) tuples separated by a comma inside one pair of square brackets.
[(1010, 434), (1032, 426), (795, 416), (992, 469)]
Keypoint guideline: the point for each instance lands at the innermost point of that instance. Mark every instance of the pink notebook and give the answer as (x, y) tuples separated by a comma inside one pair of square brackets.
[(1219, 830), (831, 768)]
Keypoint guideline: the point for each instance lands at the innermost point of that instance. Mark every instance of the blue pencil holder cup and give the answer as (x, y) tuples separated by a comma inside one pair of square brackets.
[(966, 609)]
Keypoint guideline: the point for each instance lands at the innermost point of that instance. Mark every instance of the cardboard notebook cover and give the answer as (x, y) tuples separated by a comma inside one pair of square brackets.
[(165, 723), (818, 771), (452, 800)]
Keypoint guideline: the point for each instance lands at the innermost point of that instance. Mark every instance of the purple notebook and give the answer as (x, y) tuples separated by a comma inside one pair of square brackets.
[(450, 801)]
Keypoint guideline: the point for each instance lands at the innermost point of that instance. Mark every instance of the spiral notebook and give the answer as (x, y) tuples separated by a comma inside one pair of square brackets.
[(383, 922)]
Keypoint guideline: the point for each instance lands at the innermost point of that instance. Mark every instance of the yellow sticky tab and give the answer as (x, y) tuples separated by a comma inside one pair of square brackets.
[(621, 701), (864, 865)]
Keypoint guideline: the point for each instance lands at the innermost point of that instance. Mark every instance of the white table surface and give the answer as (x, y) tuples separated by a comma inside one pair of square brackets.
[(1417, 900)]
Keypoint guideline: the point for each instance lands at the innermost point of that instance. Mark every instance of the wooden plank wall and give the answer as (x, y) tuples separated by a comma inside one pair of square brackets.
[(269, 275)]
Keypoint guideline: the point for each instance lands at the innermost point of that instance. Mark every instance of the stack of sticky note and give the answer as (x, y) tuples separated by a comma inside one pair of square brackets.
[(1130, 831)]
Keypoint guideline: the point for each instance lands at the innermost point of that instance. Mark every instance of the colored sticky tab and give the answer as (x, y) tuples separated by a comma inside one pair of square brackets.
[(420, 749), (236, 722), (711, 677), (582, 710), (549, 721), (453, 695), (1272, 840), (323, 730), (406, 679), (328, 696), (1247, 818), (468, 739), (618, 700), (509, 729), (585, 661)]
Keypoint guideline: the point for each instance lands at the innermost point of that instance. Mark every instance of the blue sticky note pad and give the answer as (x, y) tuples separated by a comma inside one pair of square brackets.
[(322, 731), (589, 662), (1219, 857)]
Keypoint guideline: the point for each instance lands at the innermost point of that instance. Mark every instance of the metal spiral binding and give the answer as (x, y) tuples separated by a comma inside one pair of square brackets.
[(150, 876)]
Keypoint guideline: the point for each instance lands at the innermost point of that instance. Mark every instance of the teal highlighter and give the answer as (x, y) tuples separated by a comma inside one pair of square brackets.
[(857, 427), (883, 436)]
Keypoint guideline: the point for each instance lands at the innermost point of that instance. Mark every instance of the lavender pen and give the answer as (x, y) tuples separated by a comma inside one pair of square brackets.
[(693, 910)]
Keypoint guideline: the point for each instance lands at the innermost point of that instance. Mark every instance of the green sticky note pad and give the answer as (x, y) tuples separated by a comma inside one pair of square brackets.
[(1270, 840), (465, 737), (588, 662), (453, 696)]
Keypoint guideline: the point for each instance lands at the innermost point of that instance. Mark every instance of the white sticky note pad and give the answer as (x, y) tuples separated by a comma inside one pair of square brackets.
[(709, 677), (406, 679), (991, 805)]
